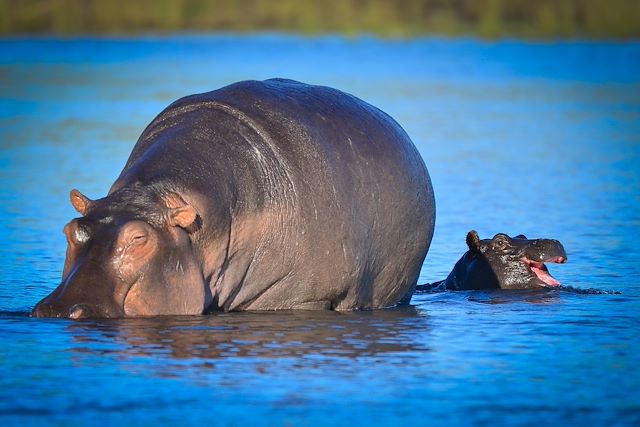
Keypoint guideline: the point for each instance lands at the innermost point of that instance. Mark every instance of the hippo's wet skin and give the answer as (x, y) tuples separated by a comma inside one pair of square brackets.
[(257, 196), (503, 263)]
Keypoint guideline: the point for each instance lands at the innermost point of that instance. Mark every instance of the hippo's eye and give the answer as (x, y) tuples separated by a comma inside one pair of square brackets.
[(138, 239), (500, 242), (134, 238)]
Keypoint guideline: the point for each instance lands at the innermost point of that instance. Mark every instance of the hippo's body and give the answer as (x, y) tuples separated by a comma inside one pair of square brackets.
[(503, 263), (257, 196)]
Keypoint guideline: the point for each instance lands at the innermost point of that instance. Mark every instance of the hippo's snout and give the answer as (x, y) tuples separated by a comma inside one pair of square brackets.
[(545, 250), (542, 251), (47, 309), (43, 309)]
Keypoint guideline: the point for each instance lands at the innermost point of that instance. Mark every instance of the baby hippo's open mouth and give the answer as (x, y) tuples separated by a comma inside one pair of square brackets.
[(541, 270), (504, 262)]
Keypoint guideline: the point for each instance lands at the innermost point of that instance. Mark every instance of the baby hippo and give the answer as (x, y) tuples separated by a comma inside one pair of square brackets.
[(503, 263)]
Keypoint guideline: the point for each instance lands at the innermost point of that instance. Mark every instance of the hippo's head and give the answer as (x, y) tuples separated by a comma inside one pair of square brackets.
[(129, 254), (515, 263)]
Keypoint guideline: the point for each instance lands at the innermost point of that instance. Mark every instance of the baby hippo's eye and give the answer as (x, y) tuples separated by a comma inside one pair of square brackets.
[(500, 242)]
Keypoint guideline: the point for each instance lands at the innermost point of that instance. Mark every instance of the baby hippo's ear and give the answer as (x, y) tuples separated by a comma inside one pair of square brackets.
[(473, 241)]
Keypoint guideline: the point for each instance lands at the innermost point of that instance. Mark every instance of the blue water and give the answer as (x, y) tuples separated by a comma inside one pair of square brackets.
[(534, 138)]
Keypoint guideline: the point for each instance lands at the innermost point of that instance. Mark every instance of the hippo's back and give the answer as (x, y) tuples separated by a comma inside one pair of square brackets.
[(347, 196)]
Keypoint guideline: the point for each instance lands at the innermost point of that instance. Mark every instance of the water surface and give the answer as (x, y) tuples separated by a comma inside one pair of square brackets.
[(535, 138)]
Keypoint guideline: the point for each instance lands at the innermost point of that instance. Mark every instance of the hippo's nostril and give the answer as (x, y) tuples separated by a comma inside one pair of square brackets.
[(78, 311)]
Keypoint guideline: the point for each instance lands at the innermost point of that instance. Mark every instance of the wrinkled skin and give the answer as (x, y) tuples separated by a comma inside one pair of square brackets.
[(257, 196), (115, 256), (504, 263)]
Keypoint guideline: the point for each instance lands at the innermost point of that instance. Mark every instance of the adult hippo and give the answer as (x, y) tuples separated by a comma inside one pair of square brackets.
[(503, 263), (257, 196)]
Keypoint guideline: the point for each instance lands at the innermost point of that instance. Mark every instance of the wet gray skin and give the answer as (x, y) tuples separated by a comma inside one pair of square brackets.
[(504, 263), (258, 196)]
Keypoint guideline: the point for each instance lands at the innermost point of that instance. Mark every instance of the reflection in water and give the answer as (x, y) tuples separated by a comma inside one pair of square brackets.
[(499, 296), (260, 335), (535, 296)]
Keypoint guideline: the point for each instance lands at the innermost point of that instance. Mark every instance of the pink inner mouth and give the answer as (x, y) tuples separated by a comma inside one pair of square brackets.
[(541, 270)]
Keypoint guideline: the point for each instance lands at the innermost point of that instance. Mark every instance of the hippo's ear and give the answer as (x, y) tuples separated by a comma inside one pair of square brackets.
[(473, 241), (184, 216), (80, 202), (180, 213)]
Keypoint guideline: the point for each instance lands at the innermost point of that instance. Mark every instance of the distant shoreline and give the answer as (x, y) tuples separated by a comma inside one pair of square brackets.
[(159, 35), (401, 19)]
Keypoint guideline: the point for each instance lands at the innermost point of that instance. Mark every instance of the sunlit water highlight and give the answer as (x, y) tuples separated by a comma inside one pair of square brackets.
[(535, 138)]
